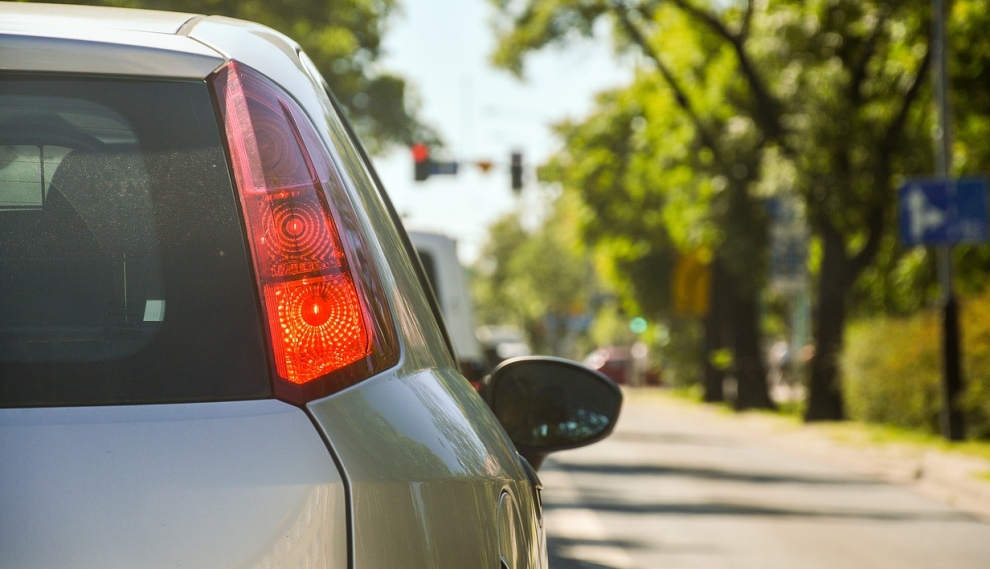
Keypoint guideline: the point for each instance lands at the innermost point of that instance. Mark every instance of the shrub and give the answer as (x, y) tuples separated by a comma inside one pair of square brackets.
[(891, 372), (976, 368), (892, 369)]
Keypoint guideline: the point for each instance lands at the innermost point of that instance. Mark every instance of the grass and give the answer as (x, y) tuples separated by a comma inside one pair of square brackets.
[(853, 433), (866, 434), (691, 393)]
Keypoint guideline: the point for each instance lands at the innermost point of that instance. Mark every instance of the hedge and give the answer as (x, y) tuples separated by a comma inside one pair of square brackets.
[(892, 369)]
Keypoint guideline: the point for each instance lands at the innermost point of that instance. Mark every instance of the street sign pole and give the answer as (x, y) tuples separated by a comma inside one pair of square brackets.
[(952, 425)]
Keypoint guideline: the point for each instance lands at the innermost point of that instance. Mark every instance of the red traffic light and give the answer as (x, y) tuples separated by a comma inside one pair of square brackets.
[(420, 152), (421, 161)]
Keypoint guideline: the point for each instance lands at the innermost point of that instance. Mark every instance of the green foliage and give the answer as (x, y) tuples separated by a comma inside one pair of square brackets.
[(523, 276), (721, 359), (534, 25), (611, 328), (976, 367), (733, 102), (343, 38), (849, 68), (893, 370), (899, 283), (969, 69), (682, 355), (491, 274), (638, 213), (902, 282)]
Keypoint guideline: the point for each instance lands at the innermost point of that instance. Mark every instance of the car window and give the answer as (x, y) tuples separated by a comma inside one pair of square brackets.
[(123, 274)]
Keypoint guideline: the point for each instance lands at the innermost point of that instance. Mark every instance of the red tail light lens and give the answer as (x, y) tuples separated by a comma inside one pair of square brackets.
[(328, 322)]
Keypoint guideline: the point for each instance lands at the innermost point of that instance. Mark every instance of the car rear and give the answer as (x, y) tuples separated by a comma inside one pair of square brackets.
[(214, 348), (139, 426)]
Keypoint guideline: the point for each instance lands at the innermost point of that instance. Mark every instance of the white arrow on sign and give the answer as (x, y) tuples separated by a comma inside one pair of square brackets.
[(924, 215)]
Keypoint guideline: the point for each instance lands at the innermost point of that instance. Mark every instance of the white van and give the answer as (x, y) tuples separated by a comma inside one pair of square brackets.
[(438, 252)]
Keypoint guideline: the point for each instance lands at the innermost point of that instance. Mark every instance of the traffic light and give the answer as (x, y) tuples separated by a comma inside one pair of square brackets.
[(516, 169), (421, 160), (424, 166)]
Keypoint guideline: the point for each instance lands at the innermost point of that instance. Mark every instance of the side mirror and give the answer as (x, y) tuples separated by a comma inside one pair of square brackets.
[(551, 404)]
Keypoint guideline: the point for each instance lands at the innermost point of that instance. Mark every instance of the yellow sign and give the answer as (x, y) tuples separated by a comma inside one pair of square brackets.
[(692, 284)]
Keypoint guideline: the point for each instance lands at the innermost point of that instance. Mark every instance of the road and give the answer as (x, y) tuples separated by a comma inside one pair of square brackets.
[(675, 488)]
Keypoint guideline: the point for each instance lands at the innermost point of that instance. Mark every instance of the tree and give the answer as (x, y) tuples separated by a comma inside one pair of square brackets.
[(533, 278), (969, 67), (854, 128), (719, 150), (343, 38), (828, 88)]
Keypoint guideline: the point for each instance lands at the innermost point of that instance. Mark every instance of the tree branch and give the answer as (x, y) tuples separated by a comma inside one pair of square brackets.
[(767, 111), (900, 119), (680, 95), (708, 19), (747, 19), (887, 147), (875, 222), (859, 67)]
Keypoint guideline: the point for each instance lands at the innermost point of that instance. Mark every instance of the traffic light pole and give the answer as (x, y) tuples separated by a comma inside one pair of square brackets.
[(952, 425)]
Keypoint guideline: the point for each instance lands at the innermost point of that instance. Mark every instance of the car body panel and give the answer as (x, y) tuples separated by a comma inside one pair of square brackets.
[(233, 484), (415, 456)]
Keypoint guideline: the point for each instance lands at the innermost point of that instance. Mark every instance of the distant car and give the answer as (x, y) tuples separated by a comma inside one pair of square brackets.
[(502, 342), (216, 349), (620, 365)]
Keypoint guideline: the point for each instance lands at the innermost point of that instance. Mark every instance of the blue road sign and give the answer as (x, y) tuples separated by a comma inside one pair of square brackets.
[(943, 212)]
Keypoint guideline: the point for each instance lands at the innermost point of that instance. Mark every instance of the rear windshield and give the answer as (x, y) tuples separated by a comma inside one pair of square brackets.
[(123, 271)]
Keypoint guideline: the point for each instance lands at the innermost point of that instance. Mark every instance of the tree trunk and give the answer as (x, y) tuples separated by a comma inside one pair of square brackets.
[(750, 367), (716, 325), (742, 255), (824, 388)]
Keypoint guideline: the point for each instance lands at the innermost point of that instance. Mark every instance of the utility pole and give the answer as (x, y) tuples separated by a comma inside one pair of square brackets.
[(952, 425)]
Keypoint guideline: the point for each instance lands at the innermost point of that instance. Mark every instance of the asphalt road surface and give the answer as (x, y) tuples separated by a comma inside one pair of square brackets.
[(673, 488)]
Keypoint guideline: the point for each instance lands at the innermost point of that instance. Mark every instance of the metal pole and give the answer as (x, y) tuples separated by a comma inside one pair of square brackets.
[(952, 425)]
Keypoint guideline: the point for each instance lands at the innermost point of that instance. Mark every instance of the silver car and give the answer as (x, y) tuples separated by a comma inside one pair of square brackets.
[(215, 347)]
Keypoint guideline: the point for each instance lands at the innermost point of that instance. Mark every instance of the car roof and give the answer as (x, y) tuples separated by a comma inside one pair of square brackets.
[(30, 17), (105, 40)]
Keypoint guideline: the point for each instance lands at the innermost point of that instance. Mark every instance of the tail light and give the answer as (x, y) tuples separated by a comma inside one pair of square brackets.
[(328, 322)]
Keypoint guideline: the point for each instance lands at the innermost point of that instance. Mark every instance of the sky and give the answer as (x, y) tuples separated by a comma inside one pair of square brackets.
[(442, 48)]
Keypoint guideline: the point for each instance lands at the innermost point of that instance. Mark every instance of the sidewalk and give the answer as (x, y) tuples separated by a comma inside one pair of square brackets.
[(956, 479)]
